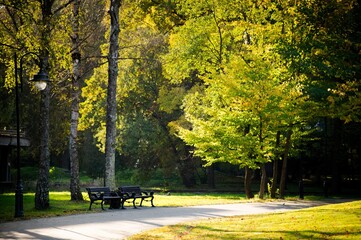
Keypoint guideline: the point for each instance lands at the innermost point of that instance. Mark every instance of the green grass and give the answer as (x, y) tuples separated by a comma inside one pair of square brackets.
[(60, 203), (337, 221)]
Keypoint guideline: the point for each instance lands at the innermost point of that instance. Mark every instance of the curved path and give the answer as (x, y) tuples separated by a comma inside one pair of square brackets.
[(119, 224)]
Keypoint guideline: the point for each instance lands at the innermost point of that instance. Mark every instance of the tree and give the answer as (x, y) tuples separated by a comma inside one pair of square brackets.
[(111, 116), (42, 187), (73, 137), (320, 44), (143, 138)]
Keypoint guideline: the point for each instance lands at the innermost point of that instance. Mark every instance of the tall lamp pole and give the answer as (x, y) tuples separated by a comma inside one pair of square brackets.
[(41, 79)]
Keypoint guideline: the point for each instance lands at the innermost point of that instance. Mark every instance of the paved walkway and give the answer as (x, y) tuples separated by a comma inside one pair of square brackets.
[(119, 224)]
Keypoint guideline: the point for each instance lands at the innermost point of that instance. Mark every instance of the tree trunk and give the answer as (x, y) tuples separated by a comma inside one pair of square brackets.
[(275, 168), (263, 183), (284, 164), (335, 154), (111, 118), (42, 186), (210, 177), (247, 182), (75, 193)]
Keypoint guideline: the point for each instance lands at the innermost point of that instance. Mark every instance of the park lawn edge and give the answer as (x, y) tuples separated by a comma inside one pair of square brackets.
[(332, 221)]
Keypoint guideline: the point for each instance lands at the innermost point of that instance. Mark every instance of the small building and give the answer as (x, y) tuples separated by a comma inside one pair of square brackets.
[(8, 143)]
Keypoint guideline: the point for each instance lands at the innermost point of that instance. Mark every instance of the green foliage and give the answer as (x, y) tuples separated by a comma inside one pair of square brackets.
[(29, 173), (157, 179), (58, 173), (321, 42), (248, 94)]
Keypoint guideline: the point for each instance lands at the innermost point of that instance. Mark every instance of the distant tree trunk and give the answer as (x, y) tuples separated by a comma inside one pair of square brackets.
[(42, 186), (275, 168), (284, 164), (75, 193), (335, 154), (263, 181), (186, 169), (110, 142), (210, 176), (247, 182)]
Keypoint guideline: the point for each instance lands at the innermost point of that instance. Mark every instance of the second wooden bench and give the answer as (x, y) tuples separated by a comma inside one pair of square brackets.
[(134, 192), (102, 194)]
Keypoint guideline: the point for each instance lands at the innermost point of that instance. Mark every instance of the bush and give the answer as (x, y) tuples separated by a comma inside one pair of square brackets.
[(28, 173), (58, 173)]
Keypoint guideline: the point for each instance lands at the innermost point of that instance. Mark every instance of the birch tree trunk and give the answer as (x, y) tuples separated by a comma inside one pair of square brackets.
[(75, 192), (111, 115)]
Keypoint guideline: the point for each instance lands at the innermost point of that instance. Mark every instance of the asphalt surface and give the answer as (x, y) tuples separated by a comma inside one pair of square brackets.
[(120, 224)]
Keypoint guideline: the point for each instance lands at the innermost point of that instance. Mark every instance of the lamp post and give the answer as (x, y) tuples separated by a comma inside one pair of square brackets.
[(40, 80)]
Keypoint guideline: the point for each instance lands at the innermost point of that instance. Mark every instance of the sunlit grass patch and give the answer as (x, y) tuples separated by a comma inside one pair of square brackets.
[(337, 221)]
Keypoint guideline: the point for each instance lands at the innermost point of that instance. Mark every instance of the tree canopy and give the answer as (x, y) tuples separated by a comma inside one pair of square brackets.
[(193, 83)]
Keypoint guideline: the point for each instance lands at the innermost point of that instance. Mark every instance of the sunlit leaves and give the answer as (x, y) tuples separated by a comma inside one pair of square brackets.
[(248, 93)]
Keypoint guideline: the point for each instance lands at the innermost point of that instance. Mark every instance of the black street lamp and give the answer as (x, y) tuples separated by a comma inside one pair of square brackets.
[(41, 79)]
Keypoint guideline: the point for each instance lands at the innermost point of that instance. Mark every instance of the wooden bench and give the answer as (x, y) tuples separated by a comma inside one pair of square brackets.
[(134, 192), (102, 194)]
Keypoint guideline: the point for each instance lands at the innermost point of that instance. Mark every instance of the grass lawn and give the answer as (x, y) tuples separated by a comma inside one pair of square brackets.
[(60, 203), (337, 221)]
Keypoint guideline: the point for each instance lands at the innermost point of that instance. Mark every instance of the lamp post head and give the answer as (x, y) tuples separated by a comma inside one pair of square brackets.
[(41, 79)]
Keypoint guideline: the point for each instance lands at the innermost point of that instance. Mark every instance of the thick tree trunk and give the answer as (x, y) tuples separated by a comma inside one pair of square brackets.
[(275, 168), (42, 186), (110, 142), (247, 182), (284, 164), (75, 193)]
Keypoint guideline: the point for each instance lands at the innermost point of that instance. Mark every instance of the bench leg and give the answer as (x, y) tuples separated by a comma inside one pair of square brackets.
[(102, 204), (134, 203), (122, 203), (141, 202), (90, 206), (151, 201)]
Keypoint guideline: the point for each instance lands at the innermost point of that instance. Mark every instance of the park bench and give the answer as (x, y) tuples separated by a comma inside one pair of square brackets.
[(104, 195), (134, 192)]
